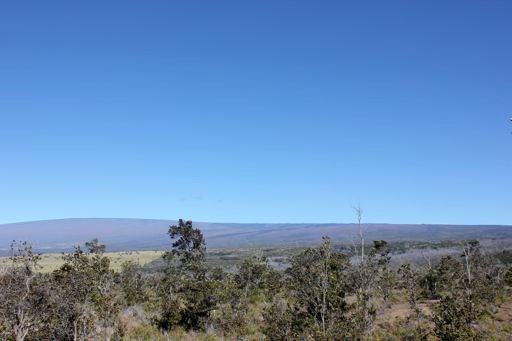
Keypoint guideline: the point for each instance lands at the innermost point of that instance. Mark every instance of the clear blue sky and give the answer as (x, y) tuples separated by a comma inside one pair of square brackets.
[(256, 111)]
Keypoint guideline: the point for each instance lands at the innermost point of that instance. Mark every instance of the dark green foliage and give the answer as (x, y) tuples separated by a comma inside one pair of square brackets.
[(364, 278), (469, 287), (408, 281), (441, 278), (132, 282), (386, 283), (323, 295), (187, 292), (429, 282), (231, 312), (448, 272), (189, 247), (414, 323), (284, 320), (256, 277), (508, 277), (22, 295), (253, 283), (315, 305), (77, 301), (87, 280), (505, 257), (95, 247), (454, 318)]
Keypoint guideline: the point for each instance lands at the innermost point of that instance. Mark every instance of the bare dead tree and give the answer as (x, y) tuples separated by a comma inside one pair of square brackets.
[(470, 249), (428, 259), (325, 278), (359, 215)]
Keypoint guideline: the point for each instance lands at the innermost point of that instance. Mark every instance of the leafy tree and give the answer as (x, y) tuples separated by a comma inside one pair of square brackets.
[(365, 277), (255, 276), (187, 294), (83, 299), (189, 246), (508, 276), (453, 319), (316, 287), (414, 323), (448, 273), (470, 286), (88, 282), (132, 282), (22, 294), (284, 320), (254, 281)]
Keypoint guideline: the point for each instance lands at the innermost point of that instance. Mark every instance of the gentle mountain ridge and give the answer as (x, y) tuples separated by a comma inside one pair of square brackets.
[(150, 234)]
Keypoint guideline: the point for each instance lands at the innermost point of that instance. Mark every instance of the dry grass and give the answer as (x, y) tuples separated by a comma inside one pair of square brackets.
[(52, 261)]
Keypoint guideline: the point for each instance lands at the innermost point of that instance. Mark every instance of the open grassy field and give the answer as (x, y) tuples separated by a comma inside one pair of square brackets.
[(52, 261), (224, 258)]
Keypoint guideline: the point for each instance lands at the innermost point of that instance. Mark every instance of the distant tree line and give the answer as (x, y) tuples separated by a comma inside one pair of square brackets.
[(325, 294)]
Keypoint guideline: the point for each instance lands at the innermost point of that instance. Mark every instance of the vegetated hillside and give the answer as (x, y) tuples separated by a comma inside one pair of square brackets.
[(150, 234), (324, 292)]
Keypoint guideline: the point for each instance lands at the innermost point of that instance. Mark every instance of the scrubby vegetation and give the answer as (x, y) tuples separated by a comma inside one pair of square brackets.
[(325, 293)]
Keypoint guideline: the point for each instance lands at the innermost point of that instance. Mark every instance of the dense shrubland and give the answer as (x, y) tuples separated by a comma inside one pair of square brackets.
[(325, 294)]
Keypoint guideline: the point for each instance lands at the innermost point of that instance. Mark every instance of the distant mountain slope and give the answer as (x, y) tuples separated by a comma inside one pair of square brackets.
[(147, 234)]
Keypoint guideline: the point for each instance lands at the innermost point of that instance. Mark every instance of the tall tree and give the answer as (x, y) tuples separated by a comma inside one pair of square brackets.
[(187, 293)]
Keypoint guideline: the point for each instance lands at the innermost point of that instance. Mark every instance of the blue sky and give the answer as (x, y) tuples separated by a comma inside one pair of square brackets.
[(256, 111)]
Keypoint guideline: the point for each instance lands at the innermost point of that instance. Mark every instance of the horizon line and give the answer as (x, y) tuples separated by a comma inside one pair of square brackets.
[(250, 223)]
